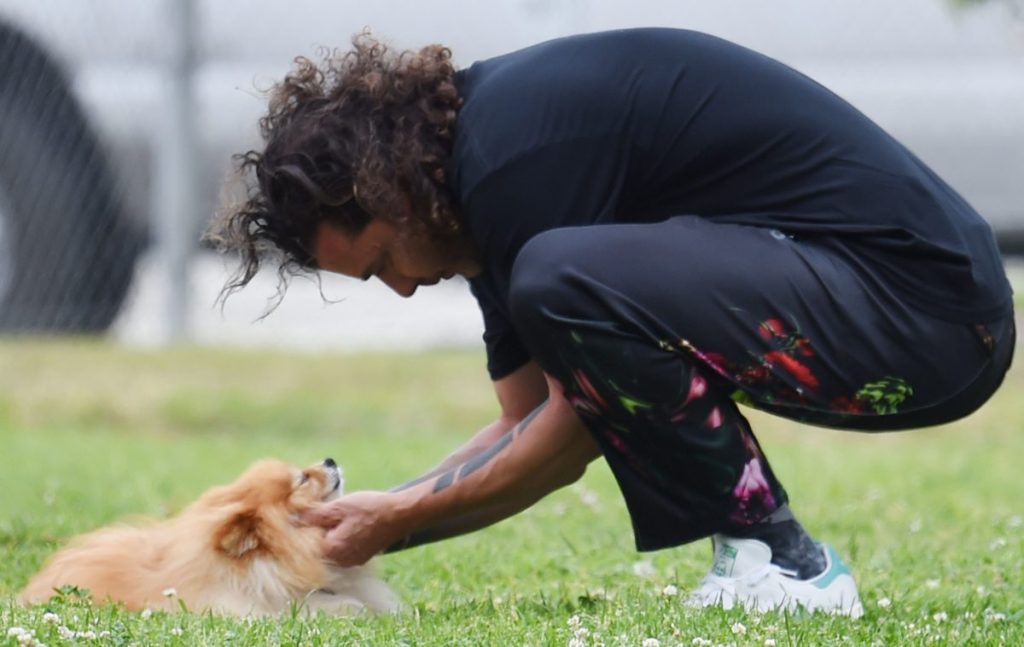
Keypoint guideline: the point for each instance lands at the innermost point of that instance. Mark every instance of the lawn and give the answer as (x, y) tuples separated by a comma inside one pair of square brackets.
[(931, 521)]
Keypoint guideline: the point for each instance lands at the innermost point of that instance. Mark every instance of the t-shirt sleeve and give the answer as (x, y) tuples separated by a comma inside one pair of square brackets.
[(505, 351)]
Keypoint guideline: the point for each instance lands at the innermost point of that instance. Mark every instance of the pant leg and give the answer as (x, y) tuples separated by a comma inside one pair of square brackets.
[(655, 331)]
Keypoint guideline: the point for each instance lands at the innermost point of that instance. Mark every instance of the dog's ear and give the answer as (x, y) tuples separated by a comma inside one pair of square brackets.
[(239, 535)]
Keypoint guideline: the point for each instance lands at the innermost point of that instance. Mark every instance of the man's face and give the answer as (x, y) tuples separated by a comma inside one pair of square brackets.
[(402, 262)]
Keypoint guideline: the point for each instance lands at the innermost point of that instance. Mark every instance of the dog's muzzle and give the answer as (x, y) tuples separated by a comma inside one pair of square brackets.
[(334, 479)]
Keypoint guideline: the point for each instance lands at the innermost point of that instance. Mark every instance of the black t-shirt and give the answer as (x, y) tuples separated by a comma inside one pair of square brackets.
[(640, 125)]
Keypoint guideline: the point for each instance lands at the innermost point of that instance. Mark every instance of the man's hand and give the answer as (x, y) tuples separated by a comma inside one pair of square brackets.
[(548, 449), (359, 526)]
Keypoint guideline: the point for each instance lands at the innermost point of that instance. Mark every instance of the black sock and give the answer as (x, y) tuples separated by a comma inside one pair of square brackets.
[(792, 548)]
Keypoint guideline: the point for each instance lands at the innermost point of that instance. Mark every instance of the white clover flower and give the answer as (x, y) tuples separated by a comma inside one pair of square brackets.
[(941, 616), (670, 590), (991, 615), (86, 635), (103, 634), (644, 568), (997, 543), (581, 632), (885, 603), (651, 642), (980, 590), (601, 594), (577, 642), (739, 628), (769, 642), (170, 592), (574, 621), (915, 525), (176, 631), (1014, 521), (22, 636), (65, 633), (50, 618), (700, 642), (932, 584), (589, 499), (146, 614)]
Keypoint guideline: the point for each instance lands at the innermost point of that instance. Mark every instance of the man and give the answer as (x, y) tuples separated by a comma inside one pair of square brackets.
[(657, 224)]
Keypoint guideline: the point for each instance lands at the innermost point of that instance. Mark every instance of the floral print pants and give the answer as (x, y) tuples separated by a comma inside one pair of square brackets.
[(659, 331)]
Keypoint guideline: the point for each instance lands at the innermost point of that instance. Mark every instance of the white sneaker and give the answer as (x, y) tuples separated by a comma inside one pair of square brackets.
[(743, 575)]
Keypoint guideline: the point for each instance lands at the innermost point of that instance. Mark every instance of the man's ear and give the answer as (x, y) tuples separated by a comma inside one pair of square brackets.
[(239, 535)]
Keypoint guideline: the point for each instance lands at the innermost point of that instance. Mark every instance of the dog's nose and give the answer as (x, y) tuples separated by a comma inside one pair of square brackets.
[(329, 462)]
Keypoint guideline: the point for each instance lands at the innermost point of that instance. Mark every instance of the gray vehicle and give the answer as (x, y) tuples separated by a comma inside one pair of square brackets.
[(67, 246)]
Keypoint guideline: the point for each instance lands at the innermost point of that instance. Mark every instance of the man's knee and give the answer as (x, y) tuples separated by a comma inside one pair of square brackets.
[(544, 280)]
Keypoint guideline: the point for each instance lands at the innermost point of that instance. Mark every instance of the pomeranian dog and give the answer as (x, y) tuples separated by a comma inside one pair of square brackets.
[(238, 550)]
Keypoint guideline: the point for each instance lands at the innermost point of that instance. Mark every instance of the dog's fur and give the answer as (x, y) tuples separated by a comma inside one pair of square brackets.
[(238, 550)]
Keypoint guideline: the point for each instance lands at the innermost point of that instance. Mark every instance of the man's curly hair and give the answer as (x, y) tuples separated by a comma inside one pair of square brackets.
[(363, 134)]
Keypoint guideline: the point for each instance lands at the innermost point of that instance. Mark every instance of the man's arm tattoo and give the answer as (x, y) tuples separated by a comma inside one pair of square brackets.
[(481, 459), (416, 481), (448, 473), (466, 523)]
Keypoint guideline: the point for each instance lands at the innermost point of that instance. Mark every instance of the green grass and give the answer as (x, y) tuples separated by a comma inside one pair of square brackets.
[(91, 433)]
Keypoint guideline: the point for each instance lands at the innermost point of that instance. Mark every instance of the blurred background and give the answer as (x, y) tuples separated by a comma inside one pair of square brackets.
[(118, 119)]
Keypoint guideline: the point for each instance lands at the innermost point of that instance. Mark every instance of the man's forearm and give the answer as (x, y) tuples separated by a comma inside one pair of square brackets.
[(461, 525), (545, 451), (477, 444), (462, 469), (476, 519)]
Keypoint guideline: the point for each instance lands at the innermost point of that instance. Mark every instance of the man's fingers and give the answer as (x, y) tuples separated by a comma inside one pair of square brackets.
[(324, 515), (342, 552)]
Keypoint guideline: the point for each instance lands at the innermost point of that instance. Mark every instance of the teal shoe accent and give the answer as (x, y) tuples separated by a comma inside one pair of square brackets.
[(837, 567)]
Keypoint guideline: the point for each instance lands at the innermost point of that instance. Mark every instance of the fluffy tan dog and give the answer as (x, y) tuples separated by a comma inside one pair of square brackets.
[(238, 550)]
